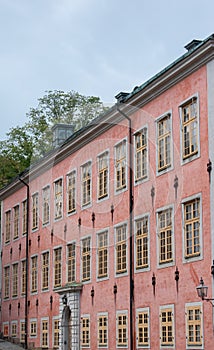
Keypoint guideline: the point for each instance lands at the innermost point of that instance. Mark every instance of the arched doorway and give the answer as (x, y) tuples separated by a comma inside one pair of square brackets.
[(66, 328)]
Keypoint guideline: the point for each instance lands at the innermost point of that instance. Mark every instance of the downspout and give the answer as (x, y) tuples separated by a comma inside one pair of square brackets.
[(27, 264), (131, 202)]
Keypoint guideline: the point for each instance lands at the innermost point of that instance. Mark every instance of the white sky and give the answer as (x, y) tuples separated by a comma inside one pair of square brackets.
[(94, 47)]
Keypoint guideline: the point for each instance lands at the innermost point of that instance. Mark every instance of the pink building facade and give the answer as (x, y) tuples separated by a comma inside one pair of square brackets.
[(105, 240)]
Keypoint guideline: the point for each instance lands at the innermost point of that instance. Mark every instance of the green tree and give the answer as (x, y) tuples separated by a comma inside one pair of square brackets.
[(32, 141)]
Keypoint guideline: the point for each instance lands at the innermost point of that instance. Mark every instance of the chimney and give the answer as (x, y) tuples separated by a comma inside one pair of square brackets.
[(60, 133)]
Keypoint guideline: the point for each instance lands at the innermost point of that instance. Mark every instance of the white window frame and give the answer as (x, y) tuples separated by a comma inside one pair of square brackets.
[(181, 105), (43, 202), (33, 320), (144, 179), (31, 276), (122, 189), (118, 313), (125, 273), (157, 120), (35, 195), (199, 305), (87, 316), (162, 308), (55, 318), (41, 332), (139, 311), (74, 173), (170, 263), (68, 244), (53, 257), (89, 202), (49, 257), (201, 255), (136, 219), (97, 260), (11, 331), (58, 217), (81, 274), (102, 314), (102, 198)]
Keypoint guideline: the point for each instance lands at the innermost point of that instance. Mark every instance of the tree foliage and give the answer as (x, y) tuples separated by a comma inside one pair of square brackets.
[(32, 141)]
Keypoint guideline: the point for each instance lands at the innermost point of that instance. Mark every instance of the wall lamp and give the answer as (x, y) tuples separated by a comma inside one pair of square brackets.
[(202, 292)]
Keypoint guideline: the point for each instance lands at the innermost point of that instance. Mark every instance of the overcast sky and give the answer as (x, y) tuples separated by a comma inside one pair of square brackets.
[(95, 47)]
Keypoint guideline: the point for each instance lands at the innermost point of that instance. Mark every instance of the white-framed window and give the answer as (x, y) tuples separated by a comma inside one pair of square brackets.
[(85, 331), (57, 267), (86, 258), (143, 328), (194, 326), (192, 228), (22, 331), (122, 329), (121, 166), (44, 333), (86, 182), (7, 226), (34, 274), (164, 142), (6, 282), (33, 328), (15, 274), (165, 236), (102, 255), (102, 330), (121, 246), (71, 262), (167, 331), (58, 199), (142, 252), (56, 331), (45, 270), (35, 211), (46, 205), (103, 175), (71, 192), (24, 217), (141, 155), (189, 115), (14, 329), (6, 329), (23, 277), (16, 222)]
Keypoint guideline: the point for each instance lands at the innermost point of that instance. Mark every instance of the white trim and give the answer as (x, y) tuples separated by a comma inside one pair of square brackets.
[(54, 199), (75, 272), (138, 311), (105, 152), (81, 317), (41, 262), (140, 130), (41, 333), (161, 308), (100, 314), (99, 279), (74, 171), (81, 262), (118, 191), (137, 218), (125, 273), (200, 305), (49, 202), (87, 205), (118, 313)]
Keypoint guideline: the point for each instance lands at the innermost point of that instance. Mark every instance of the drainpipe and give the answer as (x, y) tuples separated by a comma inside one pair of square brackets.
[(27, 258), (131, 200)]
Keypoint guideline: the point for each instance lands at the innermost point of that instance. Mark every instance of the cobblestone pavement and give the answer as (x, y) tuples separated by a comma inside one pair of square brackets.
[(5, 345)]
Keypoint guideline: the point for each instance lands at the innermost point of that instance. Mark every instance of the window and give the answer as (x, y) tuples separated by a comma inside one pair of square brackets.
[(103, 175), (15, 280), (120, 164), (167, 326), (164, 142), (192, 228), (14, 329), (102, 254), (141, 155), (16, 222), (190, 132), (122, 329), (22, 331), (86, 259), (56, 333), (7, 226), (44, 333), (34, 272), (46, 205), (102, 330), (165, 236), (45, 270), (23, 277), (85, 331), (194, 328), (35, 199), (24, 217), (7, 282), (86, 184), (58, 199), (71, 256), (6, 329), (57, 267), (71, 192), (33, 328), (142, 251), (143, 327), (121, 251)]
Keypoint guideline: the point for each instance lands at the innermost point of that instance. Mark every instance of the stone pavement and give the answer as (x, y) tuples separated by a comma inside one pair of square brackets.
[(5, 345)]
